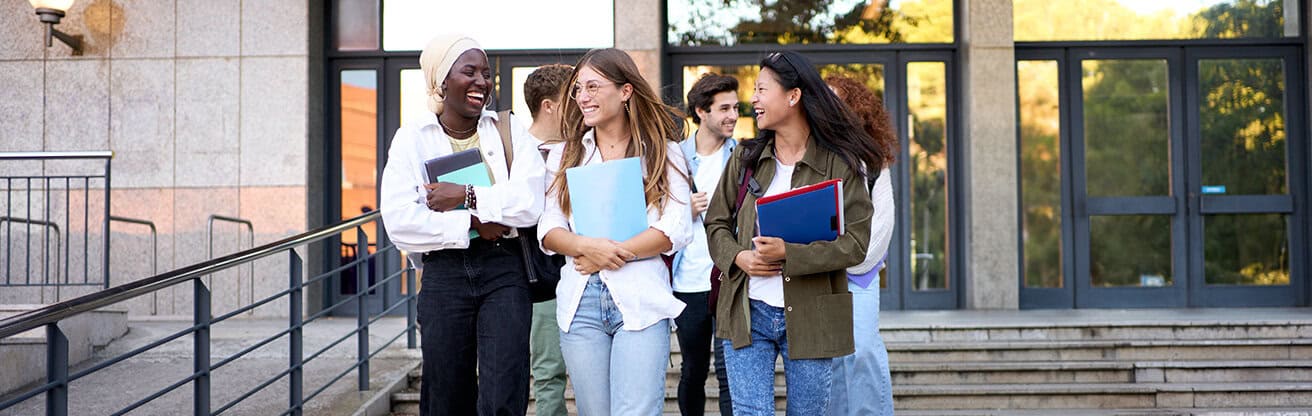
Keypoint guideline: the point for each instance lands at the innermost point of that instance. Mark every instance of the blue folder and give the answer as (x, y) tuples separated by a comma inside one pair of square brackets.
[(465, 167), (803, 215), (607, 199)]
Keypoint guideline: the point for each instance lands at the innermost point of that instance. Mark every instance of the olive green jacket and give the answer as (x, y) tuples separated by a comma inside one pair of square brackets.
[(817, 305)]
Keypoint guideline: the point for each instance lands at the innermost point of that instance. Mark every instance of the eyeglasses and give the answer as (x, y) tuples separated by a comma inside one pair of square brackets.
[(591, 87)]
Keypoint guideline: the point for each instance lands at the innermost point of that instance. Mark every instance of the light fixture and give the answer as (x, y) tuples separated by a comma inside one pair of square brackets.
[(50, 12)]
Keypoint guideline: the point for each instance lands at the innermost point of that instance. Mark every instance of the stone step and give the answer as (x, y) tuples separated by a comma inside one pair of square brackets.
[(1104, 396), (1119, 395), (1055, 372), (1123, 350), (23, 356)]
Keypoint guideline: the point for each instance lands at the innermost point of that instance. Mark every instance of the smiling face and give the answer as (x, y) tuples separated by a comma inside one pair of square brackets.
[(770, 101), (599, 99), (722, 116), (468, 84)]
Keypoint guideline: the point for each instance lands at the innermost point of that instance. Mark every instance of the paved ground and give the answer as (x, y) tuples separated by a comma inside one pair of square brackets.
[(113, 388)]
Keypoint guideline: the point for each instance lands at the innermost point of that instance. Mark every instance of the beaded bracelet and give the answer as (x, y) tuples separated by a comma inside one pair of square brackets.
[(471, 200)]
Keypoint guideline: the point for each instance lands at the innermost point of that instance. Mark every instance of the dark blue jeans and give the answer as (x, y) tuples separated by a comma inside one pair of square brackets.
[(474, 310), (695, 333)]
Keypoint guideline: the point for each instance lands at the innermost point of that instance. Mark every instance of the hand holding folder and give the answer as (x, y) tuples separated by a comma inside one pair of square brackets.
[(803, 215), (463, 168), (607, 199)]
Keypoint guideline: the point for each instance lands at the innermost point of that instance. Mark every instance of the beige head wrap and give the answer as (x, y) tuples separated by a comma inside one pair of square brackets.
[(436, 61)]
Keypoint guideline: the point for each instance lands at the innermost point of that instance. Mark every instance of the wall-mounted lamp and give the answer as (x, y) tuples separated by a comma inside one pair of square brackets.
[(50, 12)]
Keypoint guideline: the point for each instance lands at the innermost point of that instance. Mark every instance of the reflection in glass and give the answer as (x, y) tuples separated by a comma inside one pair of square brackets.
[(1242, 120), (1047, 20), (414, 95), (356, 25), (1127, 140), (1040, 166), (408, 25), (359, 163), (1130, 250), (787, 22), (746, 75), (871, 74), (927, 107), (1246, 250)]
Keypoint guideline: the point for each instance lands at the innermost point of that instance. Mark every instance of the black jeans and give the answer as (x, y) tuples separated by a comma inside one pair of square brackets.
[(474, 309), (695, 332)]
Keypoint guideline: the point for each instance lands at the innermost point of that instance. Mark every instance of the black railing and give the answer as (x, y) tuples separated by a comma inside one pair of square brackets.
[(58, 377), (38, 204)]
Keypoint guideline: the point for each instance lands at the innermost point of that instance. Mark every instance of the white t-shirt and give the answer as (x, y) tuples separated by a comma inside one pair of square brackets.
[(694, 270), (771, 289)]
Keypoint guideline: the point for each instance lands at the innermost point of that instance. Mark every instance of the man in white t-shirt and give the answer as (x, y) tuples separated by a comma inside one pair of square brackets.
[(542, 92), (713, 104)]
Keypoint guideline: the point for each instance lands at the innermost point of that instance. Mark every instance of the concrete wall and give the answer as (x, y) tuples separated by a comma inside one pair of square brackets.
[(988, 127), (204, 103)]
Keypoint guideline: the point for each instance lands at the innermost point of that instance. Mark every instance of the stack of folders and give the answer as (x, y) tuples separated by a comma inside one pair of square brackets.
[(462, 168), (803, 215), (607, 199)]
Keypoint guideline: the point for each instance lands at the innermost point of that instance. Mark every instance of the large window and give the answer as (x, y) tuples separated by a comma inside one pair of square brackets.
[(500, 24), (734, 22), (1054, 20)]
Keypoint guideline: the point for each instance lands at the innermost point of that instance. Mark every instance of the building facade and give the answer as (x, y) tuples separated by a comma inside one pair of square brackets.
[(1055, 154)]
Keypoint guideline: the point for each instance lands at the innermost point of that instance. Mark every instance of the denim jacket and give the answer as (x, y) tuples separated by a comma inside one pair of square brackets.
[(694, 161)]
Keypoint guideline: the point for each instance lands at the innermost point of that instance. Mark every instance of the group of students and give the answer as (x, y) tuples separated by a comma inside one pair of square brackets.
[(617, 301)]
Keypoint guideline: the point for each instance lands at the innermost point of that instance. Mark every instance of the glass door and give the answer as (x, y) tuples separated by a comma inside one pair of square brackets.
[(1247, 224), (1128, 189)]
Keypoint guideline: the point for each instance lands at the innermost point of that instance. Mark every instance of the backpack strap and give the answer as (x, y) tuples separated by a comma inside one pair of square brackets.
[(507, 146)]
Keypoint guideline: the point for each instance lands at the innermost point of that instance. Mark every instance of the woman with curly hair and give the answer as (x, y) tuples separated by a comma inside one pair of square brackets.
[(862, 384)]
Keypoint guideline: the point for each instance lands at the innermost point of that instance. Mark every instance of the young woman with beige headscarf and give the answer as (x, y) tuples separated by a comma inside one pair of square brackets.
[(474, 306)]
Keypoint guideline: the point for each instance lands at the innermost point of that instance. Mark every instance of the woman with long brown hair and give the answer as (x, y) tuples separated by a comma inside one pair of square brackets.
[(862, 383), (614, 302), (778, 298)]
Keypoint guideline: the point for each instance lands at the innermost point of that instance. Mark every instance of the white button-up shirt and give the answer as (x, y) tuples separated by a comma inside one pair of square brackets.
[(641, 289), (515, 199)]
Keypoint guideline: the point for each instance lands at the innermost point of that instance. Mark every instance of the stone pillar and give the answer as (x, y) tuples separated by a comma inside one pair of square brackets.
[(988, 76), (638, 32)]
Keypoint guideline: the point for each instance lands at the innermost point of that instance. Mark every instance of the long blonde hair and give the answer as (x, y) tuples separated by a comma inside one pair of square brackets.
[(652, 125)]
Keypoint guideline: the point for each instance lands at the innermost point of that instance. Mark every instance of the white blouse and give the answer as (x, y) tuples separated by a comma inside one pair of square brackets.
[(881, 223), (514, 200), (641, 289)]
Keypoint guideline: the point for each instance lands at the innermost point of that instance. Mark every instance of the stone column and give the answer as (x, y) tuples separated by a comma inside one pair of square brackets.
[(638, 32), (988, 76)]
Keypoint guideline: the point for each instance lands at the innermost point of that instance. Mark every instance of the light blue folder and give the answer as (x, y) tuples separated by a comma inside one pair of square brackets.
[(607, 199), (462, 168)]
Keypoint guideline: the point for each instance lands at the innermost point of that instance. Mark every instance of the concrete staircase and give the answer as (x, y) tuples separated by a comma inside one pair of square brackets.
[(1185, 362), (23, 357)]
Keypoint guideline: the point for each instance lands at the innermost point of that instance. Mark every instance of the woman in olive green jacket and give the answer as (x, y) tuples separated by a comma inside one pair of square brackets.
[(783, 298)]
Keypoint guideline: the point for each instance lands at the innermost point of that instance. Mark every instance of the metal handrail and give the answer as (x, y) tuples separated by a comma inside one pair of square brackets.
[(99, 154), (154, 254), (45, 247), (54, 313), (209, 252)]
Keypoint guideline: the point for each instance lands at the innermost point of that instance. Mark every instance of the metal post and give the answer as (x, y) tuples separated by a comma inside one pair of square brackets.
[(56, 371), (105, 230), (201, 350), (294, 356), (412, 307), (362, 313)]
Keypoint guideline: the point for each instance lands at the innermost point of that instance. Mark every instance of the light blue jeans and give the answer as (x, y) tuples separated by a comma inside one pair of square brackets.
[(615, 372), (862, 384), (751, 370)]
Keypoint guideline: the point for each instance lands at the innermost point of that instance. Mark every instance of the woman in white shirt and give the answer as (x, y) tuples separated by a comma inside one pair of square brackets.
[(862, 383), (474, 306), (614, 303)]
